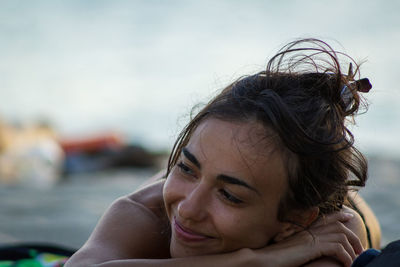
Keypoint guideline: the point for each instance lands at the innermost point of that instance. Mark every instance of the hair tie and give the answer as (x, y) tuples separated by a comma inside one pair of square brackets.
[(362, 85)]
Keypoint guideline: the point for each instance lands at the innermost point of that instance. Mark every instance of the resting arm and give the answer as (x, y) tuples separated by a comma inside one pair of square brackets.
[(131, 234), (109, 246), (238, 258)]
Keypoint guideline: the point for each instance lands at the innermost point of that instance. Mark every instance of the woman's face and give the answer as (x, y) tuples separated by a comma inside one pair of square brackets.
[(224, 191)]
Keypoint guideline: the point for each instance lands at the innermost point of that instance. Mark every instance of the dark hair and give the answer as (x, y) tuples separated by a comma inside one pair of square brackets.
[(304, 98)]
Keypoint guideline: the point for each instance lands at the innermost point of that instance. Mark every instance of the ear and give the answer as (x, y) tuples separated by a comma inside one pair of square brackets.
[(297, 221)]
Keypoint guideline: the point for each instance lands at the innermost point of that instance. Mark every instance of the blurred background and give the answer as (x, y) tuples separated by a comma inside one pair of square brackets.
[(93, 94)]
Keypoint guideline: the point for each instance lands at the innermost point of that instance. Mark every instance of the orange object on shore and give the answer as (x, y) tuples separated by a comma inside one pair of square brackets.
[(91, 144)]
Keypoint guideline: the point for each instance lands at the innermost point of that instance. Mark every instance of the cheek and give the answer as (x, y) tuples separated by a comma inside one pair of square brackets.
[(174, 190), (246, 228)]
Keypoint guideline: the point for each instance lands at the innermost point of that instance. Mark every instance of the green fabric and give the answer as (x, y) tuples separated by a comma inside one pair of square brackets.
[(37, 260)]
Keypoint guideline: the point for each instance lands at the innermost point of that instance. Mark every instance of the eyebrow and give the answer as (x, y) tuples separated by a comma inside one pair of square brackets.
[(235, 181), (221, 177), (191, 157)]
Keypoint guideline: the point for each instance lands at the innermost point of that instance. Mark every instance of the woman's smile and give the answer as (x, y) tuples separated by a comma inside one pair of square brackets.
[(188, 235)]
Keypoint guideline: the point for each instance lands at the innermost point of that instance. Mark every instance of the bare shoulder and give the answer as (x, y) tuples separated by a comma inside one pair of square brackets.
[(151, 197), (132, 227)]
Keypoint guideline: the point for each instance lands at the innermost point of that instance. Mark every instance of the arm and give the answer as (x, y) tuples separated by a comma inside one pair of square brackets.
[(132, 233), (107, 251), (243, 257)]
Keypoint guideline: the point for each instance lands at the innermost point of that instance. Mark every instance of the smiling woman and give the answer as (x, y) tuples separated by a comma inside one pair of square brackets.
[(225, 174), (259, 176)]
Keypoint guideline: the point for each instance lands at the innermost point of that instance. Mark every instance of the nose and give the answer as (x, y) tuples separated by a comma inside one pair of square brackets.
[(194, 206)]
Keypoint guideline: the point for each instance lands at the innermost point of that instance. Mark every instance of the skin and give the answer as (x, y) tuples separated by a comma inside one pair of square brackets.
[(194, 215), (224, 192)]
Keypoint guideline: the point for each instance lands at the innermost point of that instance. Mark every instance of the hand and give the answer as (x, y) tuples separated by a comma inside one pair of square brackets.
[(328, 236)]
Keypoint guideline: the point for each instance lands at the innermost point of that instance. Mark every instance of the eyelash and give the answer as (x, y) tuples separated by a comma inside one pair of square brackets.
[(230, 197), (187, 170)]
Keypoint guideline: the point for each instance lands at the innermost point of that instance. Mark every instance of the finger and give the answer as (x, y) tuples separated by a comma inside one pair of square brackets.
[(337, 251), (338, 228), (339, 239), (333, 217), (354, 241)]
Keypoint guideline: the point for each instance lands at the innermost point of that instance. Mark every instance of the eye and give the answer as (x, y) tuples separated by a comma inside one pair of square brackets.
[(185, 169), (230, 197)]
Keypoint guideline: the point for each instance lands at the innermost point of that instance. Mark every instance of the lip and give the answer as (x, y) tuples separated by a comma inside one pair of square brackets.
[(188, 235)]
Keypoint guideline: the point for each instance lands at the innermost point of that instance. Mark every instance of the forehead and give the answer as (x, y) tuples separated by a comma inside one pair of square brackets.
[(244, 149)]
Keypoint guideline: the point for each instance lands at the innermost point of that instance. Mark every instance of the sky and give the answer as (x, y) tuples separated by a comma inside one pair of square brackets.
[(138, 67)]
